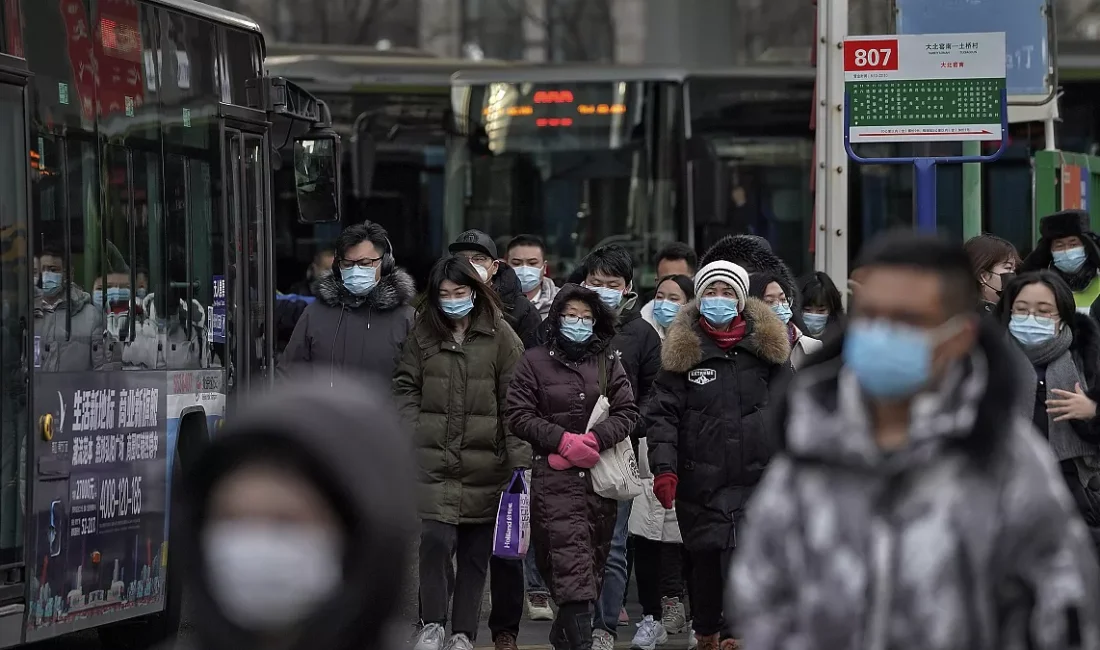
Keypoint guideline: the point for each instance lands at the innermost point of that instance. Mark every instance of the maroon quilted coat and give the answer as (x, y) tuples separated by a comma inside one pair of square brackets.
[(553, 390)]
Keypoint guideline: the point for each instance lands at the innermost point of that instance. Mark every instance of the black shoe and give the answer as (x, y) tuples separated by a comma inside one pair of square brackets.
[(578, 629)]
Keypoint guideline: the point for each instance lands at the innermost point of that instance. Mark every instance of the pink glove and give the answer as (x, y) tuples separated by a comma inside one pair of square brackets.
[(574, 450), (558, 462), (590, 440)]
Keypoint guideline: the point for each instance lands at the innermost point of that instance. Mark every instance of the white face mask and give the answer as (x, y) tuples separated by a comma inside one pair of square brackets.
[(482, 272), (268, 575)]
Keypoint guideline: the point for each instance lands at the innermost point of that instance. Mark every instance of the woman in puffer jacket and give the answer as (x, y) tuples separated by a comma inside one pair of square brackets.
[(709, 435), (550, 399)]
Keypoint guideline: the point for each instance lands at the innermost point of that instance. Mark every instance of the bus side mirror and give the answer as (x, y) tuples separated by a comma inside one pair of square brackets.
[(317, 176)]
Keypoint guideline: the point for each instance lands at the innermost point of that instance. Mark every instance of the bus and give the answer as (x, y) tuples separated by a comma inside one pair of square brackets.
[(390, 105), (135, 278), (584, 156)]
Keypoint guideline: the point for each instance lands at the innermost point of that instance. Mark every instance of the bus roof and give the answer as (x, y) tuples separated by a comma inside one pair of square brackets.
[(282, 49), (215, 14), (612, 73), (336, 72)]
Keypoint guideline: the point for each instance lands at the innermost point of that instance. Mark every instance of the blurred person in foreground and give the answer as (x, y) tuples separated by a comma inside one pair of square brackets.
[(289, 544), (911, 508)]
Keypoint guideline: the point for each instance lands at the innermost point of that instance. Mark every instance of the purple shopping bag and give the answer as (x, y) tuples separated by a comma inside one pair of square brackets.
[(512, 533)]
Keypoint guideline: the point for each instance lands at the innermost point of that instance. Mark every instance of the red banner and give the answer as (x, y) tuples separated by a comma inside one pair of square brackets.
[(105, 58)]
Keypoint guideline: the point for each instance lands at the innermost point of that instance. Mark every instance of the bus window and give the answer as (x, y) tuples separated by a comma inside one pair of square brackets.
[(111, 290), (13, 322)]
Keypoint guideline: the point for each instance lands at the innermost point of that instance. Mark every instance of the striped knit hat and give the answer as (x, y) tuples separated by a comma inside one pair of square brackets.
[(723, 271)]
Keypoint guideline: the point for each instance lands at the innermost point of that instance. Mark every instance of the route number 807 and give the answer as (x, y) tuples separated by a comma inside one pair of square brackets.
[(873, 58), (871, 55)]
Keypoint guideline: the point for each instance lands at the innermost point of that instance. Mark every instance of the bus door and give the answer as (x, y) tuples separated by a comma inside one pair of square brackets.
[(15, 346), (250, 281)]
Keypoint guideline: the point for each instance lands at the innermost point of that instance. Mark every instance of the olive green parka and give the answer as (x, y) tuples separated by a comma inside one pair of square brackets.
[(452, 397)]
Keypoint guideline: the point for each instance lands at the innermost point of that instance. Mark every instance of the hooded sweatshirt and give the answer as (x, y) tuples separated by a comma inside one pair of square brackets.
[(964, 539), (364, 334), (306, 424)]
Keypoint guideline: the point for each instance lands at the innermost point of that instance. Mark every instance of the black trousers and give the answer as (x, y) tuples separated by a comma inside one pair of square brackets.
[(709, 570), (659, 570), (470, 545), (507, 590)]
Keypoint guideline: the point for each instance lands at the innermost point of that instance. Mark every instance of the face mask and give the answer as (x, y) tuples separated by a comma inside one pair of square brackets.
[(51, 282), (610, 297), (578, 332), (457, 307), (97, 297), (359, 281), (664, 312), (718, 310), (481, 272), (141, 293), (1031, 330), (118, 294), (268, 576), (783, 311), (529, 277), (891, 360), (815, 323), (1070, 261)]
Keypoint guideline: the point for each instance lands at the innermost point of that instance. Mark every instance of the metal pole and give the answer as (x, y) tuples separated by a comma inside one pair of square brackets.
[(924, 194), (972, 192), (834, 30)]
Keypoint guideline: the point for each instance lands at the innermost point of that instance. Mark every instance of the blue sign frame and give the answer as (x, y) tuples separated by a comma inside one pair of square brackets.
[(1024, 22)]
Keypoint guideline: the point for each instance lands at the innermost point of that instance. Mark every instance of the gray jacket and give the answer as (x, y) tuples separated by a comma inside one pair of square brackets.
[(357, 334), (966, 539), (82, 346)]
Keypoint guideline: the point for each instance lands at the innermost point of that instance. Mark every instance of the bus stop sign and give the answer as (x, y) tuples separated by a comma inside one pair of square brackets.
[(924, 88)]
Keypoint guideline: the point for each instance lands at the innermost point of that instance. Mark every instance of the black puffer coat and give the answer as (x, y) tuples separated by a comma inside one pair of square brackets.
[(550, 395), (520, 313), (707, 421)]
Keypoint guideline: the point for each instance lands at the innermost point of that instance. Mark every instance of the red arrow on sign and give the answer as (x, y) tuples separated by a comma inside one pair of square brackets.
[(887, 135)]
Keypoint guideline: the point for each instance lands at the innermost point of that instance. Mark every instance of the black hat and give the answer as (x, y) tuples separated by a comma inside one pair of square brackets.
[(1067, 223), (474, 240)]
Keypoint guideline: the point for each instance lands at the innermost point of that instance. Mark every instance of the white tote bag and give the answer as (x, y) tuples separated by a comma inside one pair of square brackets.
[(615, 476)]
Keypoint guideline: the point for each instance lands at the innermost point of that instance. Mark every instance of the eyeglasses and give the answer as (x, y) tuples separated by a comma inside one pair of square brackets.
[(478, 258), (1048, 314), (364, 263), (573, 320)]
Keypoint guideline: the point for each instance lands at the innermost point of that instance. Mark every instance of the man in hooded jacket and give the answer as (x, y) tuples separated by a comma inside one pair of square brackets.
[(287, 543), (362, 314)]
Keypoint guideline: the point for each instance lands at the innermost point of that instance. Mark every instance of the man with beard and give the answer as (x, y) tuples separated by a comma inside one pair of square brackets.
[(1068, 246)]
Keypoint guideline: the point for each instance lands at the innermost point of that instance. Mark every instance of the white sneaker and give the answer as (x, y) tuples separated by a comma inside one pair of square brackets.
[(602, 640), (460, 642), (692, 641), (430, 638), (538, 607), (673, 616), (650, 634)]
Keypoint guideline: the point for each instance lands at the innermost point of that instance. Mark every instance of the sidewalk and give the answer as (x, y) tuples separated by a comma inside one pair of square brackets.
[(533, 635)]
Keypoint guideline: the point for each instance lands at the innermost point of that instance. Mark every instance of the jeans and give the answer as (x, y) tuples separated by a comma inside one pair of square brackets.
[(614, 576), (506, 588), (535, 583), (470, 545)]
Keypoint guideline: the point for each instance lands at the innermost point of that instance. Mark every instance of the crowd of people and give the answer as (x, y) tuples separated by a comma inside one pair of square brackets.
[(921, 470)]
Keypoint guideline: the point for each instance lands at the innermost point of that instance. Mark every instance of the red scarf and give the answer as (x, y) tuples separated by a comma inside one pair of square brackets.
[(727, 338)]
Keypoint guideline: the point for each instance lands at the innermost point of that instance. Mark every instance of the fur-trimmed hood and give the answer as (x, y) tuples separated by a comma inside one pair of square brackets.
[(765, 336), (394, 290), (754, 254), (603, 329)]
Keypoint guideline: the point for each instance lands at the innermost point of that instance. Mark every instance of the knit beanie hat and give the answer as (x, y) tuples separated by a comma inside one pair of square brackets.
[(723, 271)]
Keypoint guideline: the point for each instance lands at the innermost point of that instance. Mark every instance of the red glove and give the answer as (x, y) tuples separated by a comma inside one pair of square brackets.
[(590, 440), (558, 462), (664, 488), (574, 450)]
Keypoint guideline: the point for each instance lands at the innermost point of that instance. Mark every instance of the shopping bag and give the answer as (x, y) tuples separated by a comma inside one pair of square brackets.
[(615, 476), (512, 533)]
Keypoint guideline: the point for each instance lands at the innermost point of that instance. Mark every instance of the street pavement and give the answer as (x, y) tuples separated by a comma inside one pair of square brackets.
[(534, 635)]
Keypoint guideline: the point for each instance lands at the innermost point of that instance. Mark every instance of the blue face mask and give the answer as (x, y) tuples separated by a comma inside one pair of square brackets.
[(890, 360), (718, 310), (664, 312), (578, 332), (815, 323), (1069, 261), (1031, 330), (783, 311), (97, 297), (141, 293), (118, 294), (610, 297), (529, 277), (457, 307), (359, 281), (51, 282)]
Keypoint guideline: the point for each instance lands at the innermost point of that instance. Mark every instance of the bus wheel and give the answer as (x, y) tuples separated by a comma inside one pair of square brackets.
[(151, 631)]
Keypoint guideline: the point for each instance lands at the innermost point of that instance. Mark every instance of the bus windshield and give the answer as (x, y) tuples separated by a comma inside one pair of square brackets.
[(752, 158), (579, 164)]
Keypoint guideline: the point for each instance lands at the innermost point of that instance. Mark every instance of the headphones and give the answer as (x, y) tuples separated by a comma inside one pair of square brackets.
[(388, 263)]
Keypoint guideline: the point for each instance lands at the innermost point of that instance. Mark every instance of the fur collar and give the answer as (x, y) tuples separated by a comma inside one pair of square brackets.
[(766, 337), (392, 291)]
